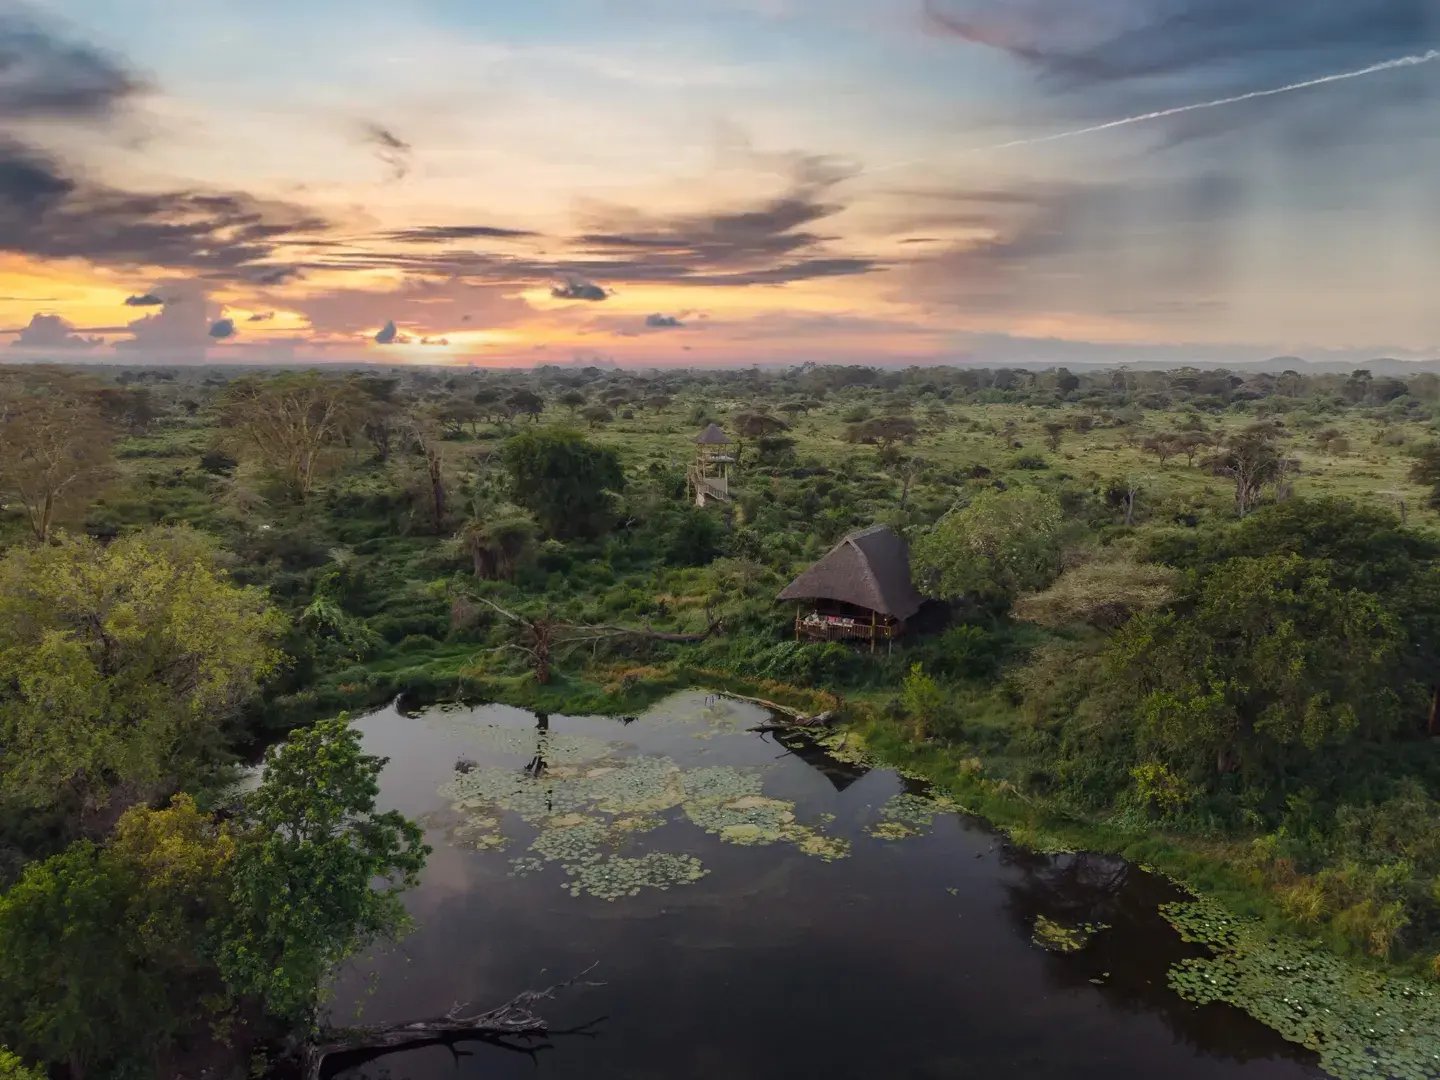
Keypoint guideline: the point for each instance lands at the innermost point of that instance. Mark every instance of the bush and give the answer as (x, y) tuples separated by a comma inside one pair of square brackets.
[(923, 701), (967, 652), (806, 662)]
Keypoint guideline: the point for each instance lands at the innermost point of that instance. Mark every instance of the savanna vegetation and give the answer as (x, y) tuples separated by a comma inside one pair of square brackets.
[(1191, 615)]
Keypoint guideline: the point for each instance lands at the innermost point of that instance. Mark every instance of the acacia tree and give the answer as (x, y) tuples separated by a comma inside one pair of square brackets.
[(525, 403), (55, 446), (1253, 460), (121, 663), (755, 426), (884, 432), (909, 469), (290, 425), (1002, 544)]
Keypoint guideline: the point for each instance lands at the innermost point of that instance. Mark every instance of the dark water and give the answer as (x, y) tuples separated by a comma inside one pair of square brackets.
[(909, 958)]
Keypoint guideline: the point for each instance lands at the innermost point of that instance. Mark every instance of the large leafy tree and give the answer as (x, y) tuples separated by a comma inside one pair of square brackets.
[(318, 871), (1002, 544), (104, 949), (121, 663), (55, 446), (1269, 663), (1365, 548), (562, 478)]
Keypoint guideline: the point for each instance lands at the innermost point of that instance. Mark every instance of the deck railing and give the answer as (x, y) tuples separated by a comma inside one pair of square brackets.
[(821, 627)]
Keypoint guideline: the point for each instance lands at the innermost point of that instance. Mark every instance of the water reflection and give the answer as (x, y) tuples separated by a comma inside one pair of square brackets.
[(907, 958), (1128, 963), (841, 774)]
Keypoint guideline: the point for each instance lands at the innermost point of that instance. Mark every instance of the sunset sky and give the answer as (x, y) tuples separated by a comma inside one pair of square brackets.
[(716, 181)]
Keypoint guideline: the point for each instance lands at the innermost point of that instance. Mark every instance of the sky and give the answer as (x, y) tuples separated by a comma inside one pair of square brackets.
[(704, 182)]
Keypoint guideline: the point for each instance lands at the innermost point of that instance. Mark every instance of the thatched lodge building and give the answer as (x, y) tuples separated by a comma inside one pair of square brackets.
[(860, 591)]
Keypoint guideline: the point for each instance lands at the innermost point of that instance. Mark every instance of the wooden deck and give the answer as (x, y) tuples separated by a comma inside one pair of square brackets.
[(817, 626), (708, 487)]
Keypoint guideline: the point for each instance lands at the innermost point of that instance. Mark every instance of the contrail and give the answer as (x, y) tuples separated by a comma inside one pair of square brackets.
[(1141, 118), (1384, 65)]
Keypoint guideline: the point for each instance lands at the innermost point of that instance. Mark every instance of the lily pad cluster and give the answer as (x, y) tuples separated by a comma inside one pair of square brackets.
[(617, 876), (910, 815), (727, 803), (1363, 1024), (590, 806), (1060, 937)]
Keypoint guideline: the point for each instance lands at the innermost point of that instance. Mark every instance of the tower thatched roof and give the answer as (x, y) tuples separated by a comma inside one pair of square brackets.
[(869, 568), (713, 436)]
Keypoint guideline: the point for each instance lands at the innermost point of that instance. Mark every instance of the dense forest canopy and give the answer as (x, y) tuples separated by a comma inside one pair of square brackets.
[(1203, 605)]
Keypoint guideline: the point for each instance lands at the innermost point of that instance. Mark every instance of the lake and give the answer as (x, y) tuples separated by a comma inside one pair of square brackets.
[(761, 909)]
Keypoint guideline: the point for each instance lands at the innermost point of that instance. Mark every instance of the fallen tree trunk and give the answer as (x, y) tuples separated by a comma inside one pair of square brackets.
[(660, 635), (514, 1019), (801, 722), (773, 706)]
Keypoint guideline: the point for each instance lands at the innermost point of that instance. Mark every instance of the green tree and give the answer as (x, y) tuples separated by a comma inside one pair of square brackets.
[(317, 873), (12, 1068), (1002, 544), (695, 539), (120, 664), (924, 702), (292, 426), (1270, 662), (525, 403), (1254, 460), (563, 479), (55, 446), (104, 949), (1426, 470)]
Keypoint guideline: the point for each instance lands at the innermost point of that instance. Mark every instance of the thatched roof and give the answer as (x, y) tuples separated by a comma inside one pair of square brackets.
[(713, 436), (870, 569)]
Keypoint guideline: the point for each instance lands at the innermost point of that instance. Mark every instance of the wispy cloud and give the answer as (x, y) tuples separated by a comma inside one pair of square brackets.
[(390, 148), (45, 210), (46, 75)]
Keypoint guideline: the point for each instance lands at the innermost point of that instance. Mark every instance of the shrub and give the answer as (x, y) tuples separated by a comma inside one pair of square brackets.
[(967, 652), (924, 703)]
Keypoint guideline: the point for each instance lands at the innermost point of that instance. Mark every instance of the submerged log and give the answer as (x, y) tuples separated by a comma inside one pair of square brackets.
[(797, 717), (516, 1018)]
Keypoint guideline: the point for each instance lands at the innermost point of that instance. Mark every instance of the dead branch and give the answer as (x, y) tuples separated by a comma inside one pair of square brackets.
[(516, 1018), (801, 722)]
